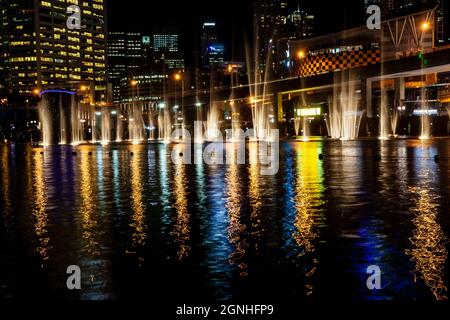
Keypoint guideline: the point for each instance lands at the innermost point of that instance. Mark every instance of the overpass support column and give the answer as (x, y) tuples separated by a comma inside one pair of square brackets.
[(399, 91), (367, 92)]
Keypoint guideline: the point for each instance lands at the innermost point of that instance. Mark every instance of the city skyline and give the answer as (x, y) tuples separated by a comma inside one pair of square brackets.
[(234, 27)]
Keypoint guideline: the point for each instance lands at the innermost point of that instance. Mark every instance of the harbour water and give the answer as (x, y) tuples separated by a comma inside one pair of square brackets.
[(136, 222)]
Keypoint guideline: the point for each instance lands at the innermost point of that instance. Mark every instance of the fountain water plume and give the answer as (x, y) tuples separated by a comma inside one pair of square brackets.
[(93, 125), (119, 128), (62, 124), (297, 124), (258, 92), (45, 123), (344, 117), (136, 125), (384, 114), (151, 124), (394, 121), (425, 127), (164, 123), (212, 130), (306, 129), (198, 126), (77, 130), (106, 126)]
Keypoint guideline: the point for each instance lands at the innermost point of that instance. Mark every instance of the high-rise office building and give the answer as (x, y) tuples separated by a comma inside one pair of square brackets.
[(443, 22), (208, 38), (125, 50), (270, 20), (300, 24), (215, 54), (166, 48), (39, 51), (277, 24)]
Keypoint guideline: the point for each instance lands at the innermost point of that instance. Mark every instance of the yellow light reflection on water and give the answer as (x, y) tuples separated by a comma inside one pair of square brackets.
[(254, 192), (428, 241), (39, 208), (181, 229), (139, 227), (233, 204), (309, 188), (88, 207)]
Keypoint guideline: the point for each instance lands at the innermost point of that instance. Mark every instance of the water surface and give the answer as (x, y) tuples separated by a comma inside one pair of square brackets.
[(139, 225)]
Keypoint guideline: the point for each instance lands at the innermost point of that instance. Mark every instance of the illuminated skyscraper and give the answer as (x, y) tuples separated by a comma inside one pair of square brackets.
[(270, 17), (39, 51), (124, 57), (443, 22), (300, 24), (166, 48), (208, 39)]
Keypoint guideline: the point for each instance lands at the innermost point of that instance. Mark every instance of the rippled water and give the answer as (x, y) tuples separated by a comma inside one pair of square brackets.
[(138, 225)]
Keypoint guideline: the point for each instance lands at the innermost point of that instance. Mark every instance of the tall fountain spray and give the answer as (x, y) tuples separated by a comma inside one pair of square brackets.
[(344, 115), (384, 115), (425, 129), (259, 105), (75, 115), (212, 127), (119, 128), (136, 124), (45, 122), (151, 124), (303, 119), (198, 125), (106, 126), (384, 126), (164, 123), (394, 121), (60, 118), (93, 117), (62, 124), (297, 125), (306, 130)]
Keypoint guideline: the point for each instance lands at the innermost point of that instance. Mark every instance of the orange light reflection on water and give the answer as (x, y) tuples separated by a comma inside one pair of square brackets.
[(428, 241)]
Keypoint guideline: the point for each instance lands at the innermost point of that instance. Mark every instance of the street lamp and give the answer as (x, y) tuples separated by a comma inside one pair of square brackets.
[(300, 54), (425, 26)]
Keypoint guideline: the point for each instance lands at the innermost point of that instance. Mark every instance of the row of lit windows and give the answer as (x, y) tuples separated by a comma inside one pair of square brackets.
[(75, 2), (23, 59)]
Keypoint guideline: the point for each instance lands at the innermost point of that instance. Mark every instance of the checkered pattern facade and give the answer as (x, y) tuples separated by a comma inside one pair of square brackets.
[(315, 65)]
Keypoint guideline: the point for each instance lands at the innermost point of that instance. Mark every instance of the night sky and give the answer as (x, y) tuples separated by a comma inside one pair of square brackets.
[(234, 19)]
